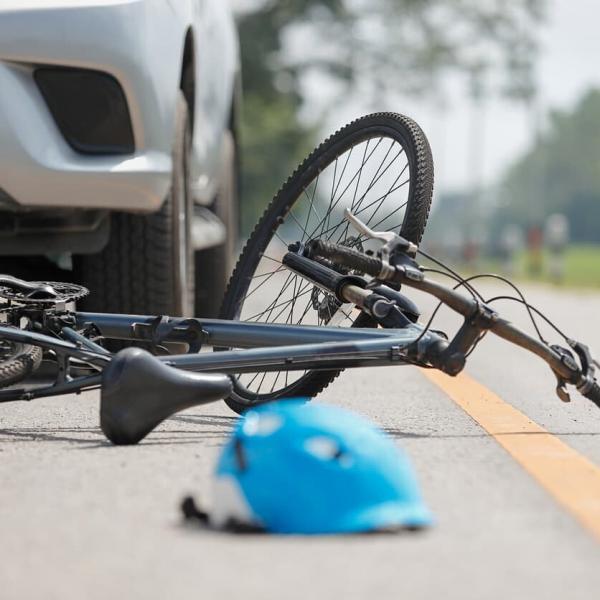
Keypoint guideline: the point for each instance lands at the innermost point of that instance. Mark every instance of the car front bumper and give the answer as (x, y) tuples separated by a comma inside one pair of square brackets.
[(38, 168)]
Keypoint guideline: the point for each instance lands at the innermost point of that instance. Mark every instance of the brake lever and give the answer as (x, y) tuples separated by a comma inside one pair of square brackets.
[(585, 356), (391, 241), (568, 359), (561, 389), (584, 371), (588, 364)]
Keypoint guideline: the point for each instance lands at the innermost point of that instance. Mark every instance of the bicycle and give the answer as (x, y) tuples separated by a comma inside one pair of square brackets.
[(340, 304)]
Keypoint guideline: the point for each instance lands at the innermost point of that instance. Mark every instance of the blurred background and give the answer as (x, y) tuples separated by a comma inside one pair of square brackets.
[(508, 92)]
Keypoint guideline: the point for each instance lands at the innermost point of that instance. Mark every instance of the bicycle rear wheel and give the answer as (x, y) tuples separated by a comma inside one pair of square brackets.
[(17, 361), (379, 166)]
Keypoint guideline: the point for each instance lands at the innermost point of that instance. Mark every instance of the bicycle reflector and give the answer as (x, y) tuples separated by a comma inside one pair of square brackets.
[(296, 468)]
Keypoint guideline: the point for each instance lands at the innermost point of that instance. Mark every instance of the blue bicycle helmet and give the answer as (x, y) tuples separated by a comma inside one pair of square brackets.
[(299, 468)]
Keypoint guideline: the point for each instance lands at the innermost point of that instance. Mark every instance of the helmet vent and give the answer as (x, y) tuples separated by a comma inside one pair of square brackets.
[(262, 424), (326, 448), (240, 455)]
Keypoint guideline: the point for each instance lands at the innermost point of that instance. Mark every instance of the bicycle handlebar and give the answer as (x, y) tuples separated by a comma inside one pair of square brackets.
[(348, 257), (479, 317)]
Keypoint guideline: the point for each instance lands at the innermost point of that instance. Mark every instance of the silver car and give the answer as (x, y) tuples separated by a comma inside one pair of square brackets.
[(118, 154)]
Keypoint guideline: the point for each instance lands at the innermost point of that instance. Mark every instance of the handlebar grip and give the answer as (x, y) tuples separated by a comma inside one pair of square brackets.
[(593, 394), (344, 256)]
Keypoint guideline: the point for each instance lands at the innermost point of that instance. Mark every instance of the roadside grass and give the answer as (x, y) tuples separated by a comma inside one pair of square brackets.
[(582, 265), (581, 268)]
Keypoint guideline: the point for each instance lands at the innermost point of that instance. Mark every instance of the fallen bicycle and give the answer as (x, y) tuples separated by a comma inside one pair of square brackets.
[(331, 298)]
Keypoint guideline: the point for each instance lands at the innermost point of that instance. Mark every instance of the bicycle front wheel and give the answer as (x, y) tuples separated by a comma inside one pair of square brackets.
[(380, 166)]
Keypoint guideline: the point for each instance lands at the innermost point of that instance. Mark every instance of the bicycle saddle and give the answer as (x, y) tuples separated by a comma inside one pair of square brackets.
[(139, 391), (38, 290), (42, 293)]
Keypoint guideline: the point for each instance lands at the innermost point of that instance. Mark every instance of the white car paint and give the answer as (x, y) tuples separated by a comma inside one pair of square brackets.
[(140, 43)]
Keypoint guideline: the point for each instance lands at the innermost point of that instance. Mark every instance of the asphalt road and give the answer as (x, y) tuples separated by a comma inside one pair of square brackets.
[(82, 519)]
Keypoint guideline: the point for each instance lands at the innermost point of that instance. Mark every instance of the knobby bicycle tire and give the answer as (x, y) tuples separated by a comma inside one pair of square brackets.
[(22, 361), (398, 128)]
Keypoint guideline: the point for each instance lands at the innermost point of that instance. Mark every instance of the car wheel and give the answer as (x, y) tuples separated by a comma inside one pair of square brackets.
[(147, 265), (213, 266)]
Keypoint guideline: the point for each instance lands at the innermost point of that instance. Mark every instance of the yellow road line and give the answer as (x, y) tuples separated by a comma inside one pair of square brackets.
[(568, 476)]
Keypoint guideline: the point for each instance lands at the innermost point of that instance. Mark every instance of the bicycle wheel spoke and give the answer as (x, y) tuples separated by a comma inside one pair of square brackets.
[(284, 304), (381, 199), (328, 214), (290, 316), (281, 269), (312, 204), (271, 258), (287, 304), (396, 210), (306, 309), (261, 382), (291, 213), (334, 192), (378, 175), (347, 225), (275, 382), (272, 307), (253, 379), (271, 274), (332, 206), (281, 240), (284, 287)]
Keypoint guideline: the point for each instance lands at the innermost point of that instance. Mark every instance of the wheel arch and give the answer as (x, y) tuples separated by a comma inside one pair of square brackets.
[(187, 82), (235, 110), (234, 125)]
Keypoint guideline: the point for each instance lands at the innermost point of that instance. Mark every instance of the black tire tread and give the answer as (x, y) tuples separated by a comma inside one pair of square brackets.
[(134, 273), (19, 367), (130, 275)]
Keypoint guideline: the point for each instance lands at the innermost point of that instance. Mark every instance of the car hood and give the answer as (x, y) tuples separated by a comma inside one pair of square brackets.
[(22, 5)]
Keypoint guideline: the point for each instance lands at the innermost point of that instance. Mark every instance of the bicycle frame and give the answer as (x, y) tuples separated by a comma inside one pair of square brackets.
[(273, 347), (267, 347)]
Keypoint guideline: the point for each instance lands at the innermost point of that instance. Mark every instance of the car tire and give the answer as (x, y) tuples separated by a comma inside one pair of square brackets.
[(147, 266), (213, 266)]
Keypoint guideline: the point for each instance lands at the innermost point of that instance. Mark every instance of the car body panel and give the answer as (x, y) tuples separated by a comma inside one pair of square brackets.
[(140, 43)]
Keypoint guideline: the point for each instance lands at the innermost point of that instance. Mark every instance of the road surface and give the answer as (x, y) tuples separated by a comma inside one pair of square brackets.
[(80, 518)]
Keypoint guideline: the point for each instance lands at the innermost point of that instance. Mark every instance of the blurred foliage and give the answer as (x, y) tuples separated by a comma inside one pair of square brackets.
[(370, 49), (273, 141), (450, 208), (560, 174)]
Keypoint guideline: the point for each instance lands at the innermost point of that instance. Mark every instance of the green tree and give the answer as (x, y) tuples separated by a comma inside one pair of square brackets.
[(369, 48), (559, 174)]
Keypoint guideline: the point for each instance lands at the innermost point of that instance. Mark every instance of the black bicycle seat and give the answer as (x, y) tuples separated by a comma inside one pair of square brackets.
[(139, 391), (41, 293), (37, 290)]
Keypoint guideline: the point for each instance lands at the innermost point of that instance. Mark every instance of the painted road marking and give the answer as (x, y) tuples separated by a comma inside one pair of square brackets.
[(569, 477)]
